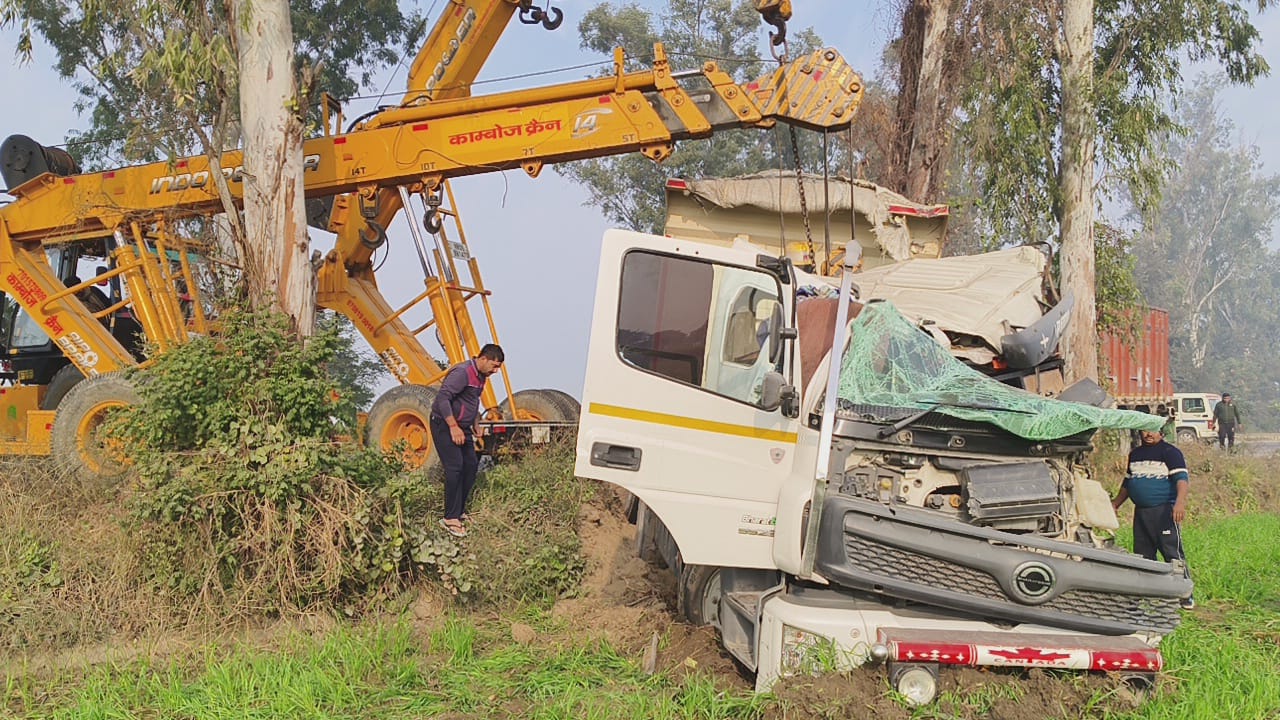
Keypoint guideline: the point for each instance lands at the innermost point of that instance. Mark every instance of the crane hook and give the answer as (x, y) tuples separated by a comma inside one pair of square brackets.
[(552, 18), (373, 240), (431, 220), (779, 38)]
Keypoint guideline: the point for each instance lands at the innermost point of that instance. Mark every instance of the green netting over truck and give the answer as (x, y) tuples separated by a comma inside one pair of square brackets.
[(891, 362)]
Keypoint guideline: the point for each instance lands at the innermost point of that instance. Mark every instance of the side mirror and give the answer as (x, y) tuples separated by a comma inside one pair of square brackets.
[(776, 392), (778, 335)]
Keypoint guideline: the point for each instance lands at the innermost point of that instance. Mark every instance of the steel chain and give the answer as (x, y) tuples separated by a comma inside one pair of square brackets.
[(812, 254)]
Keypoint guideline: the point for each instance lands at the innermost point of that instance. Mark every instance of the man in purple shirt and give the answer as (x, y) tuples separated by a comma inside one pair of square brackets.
[(453, 418)]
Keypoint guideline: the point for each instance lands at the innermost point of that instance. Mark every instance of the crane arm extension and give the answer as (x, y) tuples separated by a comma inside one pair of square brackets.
[(642, 111), (458, 46)]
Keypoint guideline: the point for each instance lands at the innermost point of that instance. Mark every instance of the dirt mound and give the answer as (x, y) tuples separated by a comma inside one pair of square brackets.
[(629, 602)]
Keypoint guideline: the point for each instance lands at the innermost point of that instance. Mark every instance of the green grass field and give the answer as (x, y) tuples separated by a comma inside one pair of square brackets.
[(1222, 663)]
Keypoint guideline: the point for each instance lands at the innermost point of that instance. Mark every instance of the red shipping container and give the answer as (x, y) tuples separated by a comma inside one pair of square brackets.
[(1138, 376)]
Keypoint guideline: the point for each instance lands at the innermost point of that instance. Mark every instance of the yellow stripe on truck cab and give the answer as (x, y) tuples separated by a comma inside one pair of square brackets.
[(681, 421)]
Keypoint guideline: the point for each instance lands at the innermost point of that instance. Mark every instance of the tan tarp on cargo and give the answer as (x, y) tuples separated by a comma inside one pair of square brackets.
[(985, 296), (753, 207)]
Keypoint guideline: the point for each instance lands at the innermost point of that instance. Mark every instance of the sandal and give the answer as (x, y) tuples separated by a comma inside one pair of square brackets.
[(453, 527)]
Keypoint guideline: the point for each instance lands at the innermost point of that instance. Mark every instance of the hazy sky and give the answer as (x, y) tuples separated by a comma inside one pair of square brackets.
[(536, 243)]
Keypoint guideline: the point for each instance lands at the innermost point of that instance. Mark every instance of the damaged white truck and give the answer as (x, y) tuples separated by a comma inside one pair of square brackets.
[(896, 507)]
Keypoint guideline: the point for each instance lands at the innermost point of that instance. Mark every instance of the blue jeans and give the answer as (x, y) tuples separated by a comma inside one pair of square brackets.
[(460, 464)]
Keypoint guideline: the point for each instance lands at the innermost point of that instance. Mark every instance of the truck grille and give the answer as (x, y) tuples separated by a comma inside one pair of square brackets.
[(1157, 614)]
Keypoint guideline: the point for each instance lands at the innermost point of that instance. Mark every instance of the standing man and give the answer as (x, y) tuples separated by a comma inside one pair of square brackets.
[(1157, 482), (1227, 416), (453, 420)]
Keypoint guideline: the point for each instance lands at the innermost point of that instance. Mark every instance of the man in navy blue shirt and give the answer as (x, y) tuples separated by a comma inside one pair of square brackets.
[(1157, 482), (453, 418)]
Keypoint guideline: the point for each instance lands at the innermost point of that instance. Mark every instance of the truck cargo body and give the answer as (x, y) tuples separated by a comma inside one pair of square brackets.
[(1137, 373)]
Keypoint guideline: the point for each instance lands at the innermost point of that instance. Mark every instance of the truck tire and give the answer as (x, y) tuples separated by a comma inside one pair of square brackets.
[(1186, 436), (535, 405), (698, 594), (568, 403), (403, 414), (78, 450), (59, 385)]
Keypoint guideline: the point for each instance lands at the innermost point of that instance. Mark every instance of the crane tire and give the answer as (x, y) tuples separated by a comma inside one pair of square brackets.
[(535, 405), (403, 413), (59, 385), (568, 403), (78, 449)]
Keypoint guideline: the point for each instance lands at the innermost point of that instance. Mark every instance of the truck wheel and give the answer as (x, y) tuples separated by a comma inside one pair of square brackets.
[(59, 385), (78, 448), (568, 403), (535, 405), (1186, 436), (403, 414), (698, 596)]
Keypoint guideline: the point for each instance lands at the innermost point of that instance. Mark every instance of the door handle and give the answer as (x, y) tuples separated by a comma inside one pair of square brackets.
[(618, 457)]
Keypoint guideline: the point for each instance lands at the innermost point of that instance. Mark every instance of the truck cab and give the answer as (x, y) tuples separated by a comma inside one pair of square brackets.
[(797, 517), (1194, 418)]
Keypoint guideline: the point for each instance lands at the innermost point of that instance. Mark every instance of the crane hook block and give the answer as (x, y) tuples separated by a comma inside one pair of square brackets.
[(530, 15)]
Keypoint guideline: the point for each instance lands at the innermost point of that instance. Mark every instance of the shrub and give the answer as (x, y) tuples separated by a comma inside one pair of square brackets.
[(246, 499)]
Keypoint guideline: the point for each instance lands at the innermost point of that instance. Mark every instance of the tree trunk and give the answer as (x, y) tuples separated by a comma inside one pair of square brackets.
[(1076, 188), (279, 270), (920, 131)]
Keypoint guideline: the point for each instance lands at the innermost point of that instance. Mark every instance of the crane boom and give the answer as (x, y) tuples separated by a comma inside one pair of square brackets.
[(626, 112)]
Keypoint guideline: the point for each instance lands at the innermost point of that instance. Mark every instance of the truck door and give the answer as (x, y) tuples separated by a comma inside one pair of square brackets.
[(680, 346)]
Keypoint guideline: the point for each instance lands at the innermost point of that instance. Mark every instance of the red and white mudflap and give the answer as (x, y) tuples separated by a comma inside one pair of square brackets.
[(816, 631)]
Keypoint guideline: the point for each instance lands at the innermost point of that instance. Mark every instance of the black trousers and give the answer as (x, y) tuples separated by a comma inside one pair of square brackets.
[(460, 464), (1154, 530), (1226, 436)]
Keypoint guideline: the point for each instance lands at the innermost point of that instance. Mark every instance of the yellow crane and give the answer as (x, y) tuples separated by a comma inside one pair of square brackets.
[(371, 172)]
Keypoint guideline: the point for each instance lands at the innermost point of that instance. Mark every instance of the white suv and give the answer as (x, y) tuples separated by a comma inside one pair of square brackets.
[(1194, 419)]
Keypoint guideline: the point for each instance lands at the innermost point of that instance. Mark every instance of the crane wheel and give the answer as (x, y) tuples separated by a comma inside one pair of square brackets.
[(59, 385), (401, 418), (541, 405), (78, 447), (569, 405)]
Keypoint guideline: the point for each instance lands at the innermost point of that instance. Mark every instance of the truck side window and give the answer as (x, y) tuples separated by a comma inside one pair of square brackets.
[(697, 323), (663, 314)]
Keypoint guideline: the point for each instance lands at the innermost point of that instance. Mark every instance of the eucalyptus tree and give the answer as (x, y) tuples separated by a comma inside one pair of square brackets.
[(1053, 100), (161, 79), (1207, 254), (629, 188)]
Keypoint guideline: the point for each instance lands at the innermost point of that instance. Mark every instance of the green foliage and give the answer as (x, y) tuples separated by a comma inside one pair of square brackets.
[(28, 570), (525, 531), (246, 499), (354, 367), (1012, 103), (151, 74), (463, 669), (1120, 301), (629, 189)]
